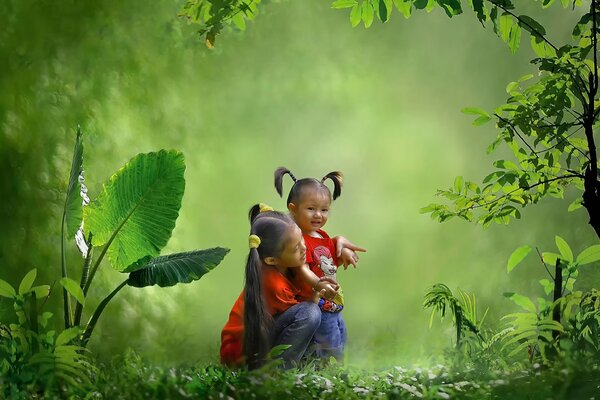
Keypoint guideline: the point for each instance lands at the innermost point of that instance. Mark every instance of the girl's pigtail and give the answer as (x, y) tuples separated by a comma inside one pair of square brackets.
[(256, 318), (337, 179), (279, 173), (253, 213)]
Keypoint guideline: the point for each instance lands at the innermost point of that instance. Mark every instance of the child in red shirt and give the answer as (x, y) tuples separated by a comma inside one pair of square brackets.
[(269, 311), (309, 202)]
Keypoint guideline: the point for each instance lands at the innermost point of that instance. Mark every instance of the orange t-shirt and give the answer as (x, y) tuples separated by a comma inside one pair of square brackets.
[(279, 293)]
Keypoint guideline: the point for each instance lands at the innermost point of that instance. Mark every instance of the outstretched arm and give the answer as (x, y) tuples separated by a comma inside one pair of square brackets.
[(346, 251)]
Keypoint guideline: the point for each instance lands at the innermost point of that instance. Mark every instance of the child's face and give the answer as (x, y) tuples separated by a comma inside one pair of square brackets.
[(312, 211), (293, 253)]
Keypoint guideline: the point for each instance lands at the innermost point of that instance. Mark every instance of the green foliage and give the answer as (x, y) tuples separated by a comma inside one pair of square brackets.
[(564, 325), (32, 357), (130, 377), (73, 215), (177, 268), (133, 219), (212, 15), (546, 123), (517, 256), (137, 209), (464, 310)]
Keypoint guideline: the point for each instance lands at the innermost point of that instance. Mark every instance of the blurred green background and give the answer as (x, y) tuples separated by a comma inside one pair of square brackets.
[(302, 89)]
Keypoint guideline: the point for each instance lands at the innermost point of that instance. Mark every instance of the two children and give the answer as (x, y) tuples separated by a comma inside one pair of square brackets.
[(267, 312), (291, 295)]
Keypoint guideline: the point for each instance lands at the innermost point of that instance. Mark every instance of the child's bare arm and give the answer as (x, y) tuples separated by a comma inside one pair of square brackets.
[(342, 243), (318, 284)]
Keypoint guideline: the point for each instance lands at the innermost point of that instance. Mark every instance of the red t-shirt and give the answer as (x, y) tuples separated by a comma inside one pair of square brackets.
[(320, 257), (280, 294)]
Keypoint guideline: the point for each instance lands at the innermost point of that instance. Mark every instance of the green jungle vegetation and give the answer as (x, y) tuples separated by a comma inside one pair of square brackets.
[(111, 111)]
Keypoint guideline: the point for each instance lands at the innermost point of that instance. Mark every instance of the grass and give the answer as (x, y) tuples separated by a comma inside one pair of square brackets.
[(130, 377)]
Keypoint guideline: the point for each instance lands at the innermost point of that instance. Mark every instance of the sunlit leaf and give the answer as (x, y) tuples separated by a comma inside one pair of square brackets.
[(344, 3), (576, 204), (27, 281), (367, 13), (481, 120), (589, 255), (517, 256), (550, 258), (458, 184), (6, 290), (138, 207), (475, 111), (564, 249), (515, 38), (73, 288), (505, 23), (355, 15), (239, 21), (41, 291), (67, 335), (521, 301), (404, 6)]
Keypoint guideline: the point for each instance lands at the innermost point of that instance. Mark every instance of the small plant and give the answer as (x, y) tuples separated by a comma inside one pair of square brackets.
[(31, 355), (464, 310), (568, 316)]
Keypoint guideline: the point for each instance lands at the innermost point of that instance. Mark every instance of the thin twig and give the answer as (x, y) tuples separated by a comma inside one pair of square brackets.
[(543, 263)]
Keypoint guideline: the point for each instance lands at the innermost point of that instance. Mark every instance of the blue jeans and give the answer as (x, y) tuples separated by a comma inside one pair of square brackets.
[(296, 327), (331, 336)]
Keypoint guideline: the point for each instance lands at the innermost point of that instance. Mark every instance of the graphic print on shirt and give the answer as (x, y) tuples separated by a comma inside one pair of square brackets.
[(325, 261)]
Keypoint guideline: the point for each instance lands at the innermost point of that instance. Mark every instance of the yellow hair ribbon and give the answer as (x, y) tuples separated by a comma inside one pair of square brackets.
[(264, 207), (253, 241)]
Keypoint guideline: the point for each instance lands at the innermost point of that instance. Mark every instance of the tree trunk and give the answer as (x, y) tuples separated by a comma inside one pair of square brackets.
[(557, 295), (591, 199)]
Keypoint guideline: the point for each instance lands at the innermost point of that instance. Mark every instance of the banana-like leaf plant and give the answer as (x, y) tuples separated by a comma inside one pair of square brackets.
[(131, 220)]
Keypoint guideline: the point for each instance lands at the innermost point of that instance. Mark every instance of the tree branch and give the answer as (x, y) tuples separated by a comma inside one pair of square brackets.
[(514, 129), (543, 263), (479, 205)]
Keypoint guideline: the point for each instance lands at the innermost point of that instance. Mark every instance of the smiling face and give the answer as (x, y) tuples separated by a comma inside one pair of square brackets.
[(312, 210)]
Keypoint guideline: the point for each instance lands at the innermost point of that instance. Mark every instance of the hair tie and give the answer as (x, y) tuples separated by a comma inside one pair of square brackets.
[(264, 208), (292, 176), (253, 241)]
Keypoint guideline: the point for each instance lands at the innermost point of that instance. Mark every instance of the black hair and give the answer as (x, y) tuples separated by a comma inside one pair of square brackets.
[(301, 184), (272, 228)]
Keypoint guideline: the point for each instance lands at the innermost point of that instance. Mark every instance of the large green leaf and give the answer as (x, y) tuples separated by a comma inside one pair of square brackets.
[(136, 211), (73, 204), (177, 268)]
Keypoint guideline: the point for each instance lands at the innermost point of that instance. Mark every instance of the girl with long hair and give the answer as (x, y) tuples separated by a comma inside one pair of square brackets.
[(268, 313)]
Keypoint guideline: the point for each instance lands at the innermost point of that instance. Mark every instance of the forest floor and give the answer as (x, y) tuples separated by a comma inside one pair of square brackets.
[(133, 378)]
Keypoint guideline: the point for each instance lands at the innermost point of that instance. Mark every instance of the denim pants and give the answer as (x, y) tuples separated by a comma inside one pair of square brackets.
[(330, 337), (296, 327)]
